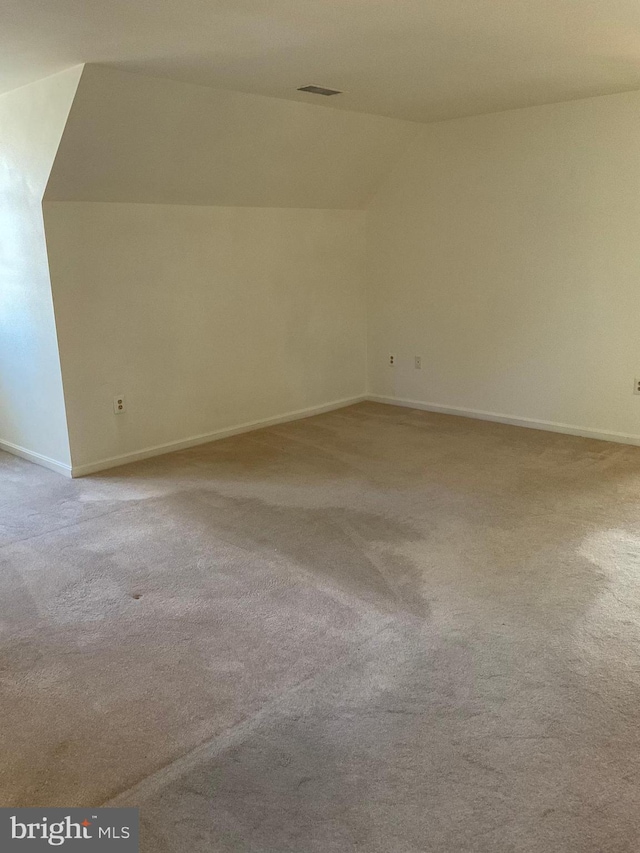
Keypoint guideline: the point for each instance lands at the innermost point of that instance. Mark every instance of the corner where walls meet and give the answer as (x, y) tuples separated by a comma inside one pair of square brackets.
[(220, 293)]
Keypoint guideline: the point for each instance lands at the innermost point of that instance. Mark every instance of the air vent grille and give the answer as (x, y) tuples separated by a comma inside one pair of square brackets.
[(319, 90)]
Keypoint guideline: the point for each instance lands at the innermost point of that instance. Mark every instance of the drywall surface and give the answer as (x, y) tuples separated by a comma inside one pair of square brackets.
[(32, 413), (132, 138), (204, 318), (503, 250)]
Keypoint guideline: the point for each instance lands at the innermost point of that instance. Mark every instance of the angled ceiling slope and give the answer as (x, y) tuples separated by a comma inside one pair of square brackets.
[(132, 138)]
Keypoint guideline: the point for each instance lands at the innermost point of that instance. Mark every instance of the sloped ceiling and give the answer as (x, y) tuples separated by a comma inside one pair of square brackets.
[(133, 138)]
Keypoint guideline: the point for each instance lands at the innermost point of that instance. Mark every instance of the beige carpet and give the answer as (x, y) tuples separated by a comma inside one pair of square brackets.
[(376, 630)]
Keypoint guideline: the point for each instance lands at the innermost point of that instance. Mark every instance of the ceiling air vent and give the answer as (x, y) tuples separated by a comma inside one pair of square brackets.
[(319, 90)]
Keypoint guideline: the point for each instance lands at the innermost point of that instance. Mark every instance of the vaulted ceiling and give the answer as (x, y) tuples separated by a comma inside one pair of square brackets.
[(421, 60)]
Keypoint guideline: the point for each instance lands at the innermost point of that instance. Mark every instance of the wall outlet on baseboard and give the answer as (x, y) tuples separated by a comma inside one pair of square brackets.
[(392, 360), (118, 404), (417, 362), (636, 386)]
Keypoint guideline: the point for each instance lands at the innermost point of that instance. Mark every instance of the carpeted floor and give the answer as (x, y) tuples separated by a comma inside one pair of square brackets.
[(376, 630)]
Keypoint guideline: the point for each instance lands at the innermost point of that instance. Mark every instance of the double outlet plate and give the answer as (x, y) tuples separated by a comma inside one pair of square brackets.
[(417, 361)]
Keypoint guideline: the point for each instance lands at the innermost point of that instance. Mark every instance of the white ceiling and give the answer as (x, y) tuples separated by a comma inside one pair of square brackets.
[(415, 59)]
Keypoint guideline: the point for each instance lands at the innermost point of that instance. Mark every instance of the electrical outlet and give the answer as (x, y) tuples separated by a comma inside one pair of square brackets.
[(636, 386), (392, 360), (417, 362), (118, 404)]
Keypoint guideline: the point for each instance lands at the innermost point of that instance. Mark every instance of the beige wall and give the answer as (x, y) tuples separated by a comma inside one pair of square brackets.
[(505, 251), (204, 318), (223, 282), (32, 412)]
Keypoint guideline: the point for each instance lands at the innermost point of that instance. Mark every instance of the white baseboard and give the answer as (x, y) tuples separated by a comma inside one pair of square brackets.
[(529, 423), (38, 458), (193, 441)]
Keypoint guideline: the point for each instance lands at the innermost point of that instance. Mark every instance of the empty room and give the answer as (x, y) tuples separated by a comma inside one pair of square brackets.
[(320, 426)]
